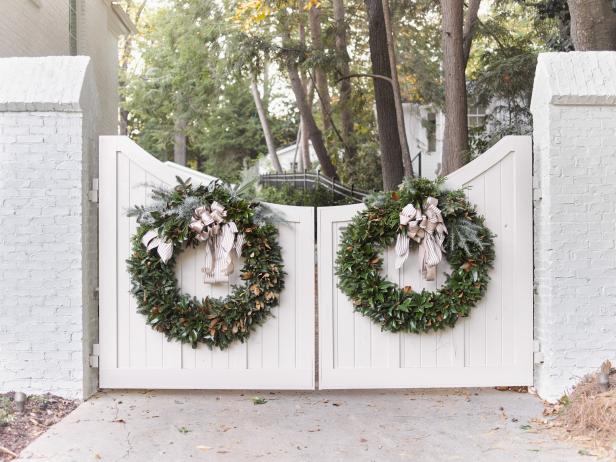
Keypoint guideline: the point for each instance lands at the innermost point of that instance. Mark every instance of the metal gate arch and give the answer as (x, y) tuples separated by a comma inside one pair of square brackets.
[(278, 355), (493, 346)]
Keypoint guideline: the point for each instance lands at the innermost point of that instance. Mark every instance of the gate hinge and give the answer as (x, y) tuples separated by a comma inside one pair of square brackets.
[(93, 193), (94, 356), (537, 353)]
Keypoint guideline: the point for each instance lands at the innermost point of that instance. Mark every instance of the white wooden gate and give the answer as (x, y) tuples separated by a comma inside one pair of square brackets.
[(493, 346), (279, 355)]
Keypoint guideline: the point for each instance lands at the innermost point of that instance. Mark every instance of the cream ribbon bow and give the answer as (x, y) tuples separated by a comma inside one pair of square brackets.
[(427, 229), (152, 240), (220, 238)]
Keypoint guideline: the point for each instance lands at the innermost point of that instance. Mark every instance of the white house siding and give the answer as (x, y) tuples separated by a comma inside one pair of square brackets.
[(33, 28), (574, 113), (98, 31), (41, 28), (48, 258), (417, 139)]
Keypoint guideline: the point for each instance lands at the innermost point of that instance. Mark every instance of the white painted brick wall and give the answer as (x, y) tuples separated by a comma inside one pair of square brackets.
[(41, 252), (48, 228), (574, 111)]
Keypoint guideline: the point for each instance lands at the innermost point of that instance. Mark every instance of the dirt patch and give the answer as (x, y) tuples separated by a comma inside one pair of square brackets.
[(18, 429), (587, 415)]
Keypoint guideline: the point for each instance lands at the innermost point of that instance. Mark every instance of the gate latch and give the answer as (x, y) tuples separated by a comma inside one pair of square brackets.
[(93, 193), (93, 359)]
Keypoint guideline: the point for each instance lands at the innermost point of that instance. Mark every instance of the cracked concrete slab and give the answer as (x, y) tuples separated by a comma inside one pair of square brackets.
[(393, 425)]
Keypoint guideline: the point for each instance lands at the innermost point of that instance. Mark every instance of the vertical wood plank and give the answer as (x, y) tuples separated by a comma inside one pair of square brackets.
[(305, 292), (123, 250), (411, 276), (523, 266), (477, 318), (202, 356), (493, 298), (283, 344), (153, 339), (506, 257), (138, 327), (344, 328), (238, 352), (108, 254)]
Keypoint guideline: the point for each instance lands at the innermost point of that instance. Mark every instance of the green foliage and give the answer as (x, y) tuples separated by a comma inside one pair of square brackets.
[(6, 411), (214, 322), (311, 196), (359, 264), (187, 75)]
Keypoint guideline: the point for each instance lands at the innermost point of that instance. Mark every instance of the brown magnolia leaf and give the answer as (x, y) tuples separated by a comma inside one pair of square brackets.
[(407, 290), (375, 260), (395, 196), (213, 323), (235, 329), (247, 275), (255, 289)]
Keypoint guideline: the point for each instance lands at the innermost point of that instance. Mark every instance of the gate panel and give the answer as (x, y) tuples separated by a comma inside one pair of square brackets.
[(278, 354), (493, 346)]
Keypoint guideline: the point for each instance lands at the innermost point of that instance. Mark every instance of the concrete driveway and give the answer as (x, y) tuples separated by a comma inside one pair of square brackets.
[(446, 425)]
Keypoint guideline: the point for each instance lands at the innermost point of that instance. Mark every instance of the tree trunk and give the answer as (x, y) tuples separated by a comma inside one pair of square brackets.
[(455, 143), (468, 31), (319, 74), (267, 132), (305, 141), (179, 141), (391, 51), (593, 25), (346, 114), (311, 129), (389, 139), (304, 147)]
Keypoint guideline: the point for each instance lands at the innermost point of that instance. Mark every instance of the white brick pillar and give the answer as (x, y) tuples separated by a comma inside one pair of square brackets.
[(574, 114), (48, 308)]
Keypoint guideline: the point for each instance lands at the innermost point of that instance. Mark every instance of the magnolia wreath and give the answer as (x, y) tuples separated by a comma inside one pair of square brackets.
[(218, 218), (441, 223)]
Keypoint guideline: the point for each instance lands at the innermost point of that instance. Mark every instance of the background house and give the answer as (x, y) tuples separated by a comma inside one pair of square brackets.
[(424, 133), (288, 157), (69, 28)]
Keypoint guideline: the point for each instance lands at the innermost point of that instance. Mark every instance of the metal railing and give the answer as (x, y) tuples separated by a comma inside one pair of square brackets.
[(305, 180)]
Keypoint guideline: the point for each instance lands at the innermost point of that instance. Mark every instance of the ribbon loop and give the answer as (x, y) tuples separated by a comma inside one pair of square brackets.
[(426, 227), (220, 238)]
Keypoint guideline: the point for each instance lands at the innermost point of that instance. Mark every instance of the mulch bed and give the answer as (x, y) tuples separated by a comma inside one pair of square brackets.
[(17, 430), (587, 415)]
